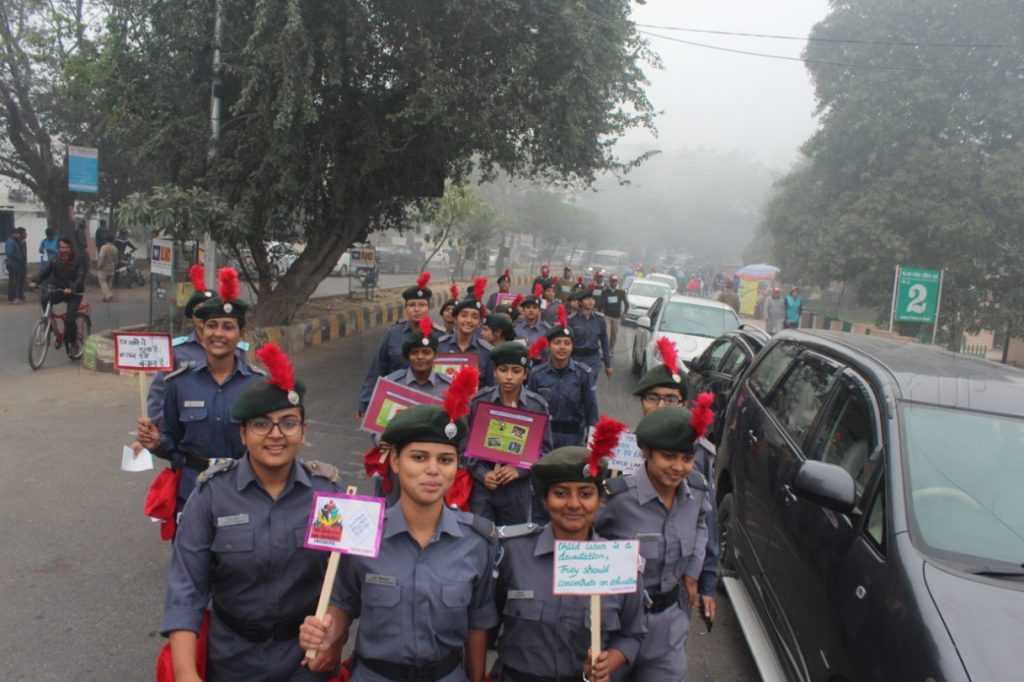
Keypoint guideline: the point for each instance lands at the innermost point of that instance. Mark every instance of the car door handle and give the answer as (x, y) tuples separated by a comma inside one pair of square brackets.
[(752, 436), (788, 496)]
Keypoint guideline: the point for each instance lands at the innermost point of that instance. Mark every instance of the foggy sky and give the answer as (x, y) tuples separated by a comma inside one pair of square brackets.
[(760, 107)]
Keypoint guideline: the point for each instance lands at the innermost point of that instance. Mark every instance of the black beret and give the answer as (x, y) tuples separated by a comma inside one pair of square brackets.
[(417, 340), (414, 293), (659, 377), (667, 429), (499, 322), (557, 331), (214, 307), (568, 464), (424, 424), (510, 353), (530, 300), (197, 298), (450, 303), (264, 397), (468, 303), (585, 292)]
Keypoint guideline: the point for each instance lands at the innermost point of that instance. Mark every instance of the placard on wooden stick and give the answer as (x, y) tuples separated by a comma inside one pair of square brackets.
[(390, 398), (342, 524), (143, 352), (626, 455)]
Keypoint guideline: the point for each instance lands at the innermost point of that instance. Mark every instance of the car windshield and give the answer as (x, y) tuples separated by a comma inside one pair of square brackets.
[(651, 290), (966, 474), (697, 320)]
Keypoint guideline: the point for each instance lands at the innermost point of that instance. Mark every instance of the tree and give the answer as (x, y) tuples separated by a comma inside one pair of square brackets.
[(340, 115), (918, 145), (457, 219)]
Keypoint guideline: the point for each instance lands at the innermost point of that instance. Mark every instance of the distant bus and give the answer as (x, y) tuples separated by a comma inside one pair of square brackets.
[(613, 262)]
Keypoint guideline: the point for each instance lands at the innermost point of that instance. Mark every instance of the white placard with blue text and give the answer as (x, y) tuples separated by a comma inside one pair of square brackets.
[(602, 567), (626, 456)]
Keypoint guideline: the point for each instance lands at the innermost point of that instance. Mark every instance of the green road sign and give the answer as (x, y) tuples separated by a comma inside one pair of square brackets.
[(917, 295)]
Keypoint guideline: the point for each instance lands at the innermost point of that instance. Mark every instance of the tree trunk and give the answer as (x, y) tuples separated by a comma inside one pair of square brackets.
[(313, 266), (59, 204), (1006, 341)]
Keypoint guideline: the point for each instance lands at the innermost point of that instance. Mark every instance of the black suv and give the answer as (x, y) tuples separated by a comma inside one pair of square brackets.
[(871, 501), (720, 366)]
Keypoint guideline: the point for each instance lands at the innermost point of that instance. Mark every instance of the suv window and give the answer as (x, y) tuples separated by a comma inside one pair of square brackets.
[(715, 355), (734, 362), (799, 398), (847, 435), (771, 368), (875, 525)]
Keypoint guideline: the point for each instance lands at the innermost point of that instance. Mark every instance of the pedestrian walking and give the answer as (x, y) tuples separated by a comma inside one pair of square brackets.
[(105, 265), (425, 604), (17, 266), (590, 335), (774, 312), (794, 308), (504, 287), (466, 338), (530, 326), (613, 305), (549, 304), (237, 546)]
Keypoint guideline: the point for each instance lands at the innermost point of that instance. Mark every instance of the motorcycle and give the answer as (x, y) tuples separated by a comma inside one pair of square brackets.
[(126, 273)]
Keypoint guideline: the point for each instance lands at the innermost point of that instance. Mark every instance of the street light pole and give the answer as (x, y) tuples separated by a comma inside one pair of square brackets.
[(210, 245)]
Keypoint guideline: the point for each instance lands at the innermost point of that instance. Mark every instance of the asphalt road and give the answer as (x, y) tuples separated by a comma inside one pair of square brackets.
[(82, 570)]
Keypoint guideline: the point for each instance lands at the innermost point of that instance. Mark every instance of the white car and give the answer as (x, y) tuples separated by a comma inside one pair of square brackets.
[(640, 295), (692, 323), (667, 279)]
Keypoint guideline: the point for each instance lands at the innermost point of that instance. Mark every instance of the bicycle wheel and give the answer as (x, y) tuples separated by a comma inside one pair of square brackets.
[(83, 329), (39, 344)]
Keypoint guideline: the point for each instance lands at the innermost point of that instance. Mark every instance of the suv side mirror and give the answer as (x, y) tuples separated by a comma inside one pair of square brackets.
[(692, 364), (644, 322), (828, 485)]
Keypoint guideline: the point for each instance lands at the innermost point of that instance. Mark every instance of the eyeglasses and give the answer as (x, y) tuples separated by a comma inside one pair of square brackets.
[(654, 399), (287, 427)]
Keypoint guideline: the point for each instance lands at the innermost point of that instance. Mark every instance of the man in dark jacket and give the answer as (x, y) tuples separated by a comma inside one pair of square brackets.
[(613, 305), (17, 264), (66, 274)]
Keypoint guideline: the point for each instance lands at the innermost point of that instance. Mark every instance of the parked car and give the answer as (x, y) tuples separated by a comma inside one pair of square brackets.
[(669, 281), (692, 323), (641, 293), (869, 500), (719, 368), (357, 257), (396, 259)]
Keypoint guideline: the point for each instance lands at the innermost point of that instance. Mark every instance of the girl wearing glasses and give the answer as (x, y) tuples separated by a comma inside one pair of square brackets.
[(240, 546)]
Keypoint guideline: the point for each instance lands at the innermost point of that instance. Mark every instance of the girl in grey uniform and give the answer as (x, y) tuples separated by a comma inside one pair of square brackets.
[(546, 637), (425, 603), (239, 545)]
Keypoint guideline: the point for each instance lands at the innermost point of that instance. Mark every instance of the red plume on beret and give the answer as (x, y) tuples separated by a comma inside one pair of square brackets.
[(562, 319), (479, 284), (538, 291), (592, 286), (517, 300), (372, 464), (506, 274), (669, 354), (421, 281), (701, 416), (606, 437), (198, 277), (454, 292), (538, 347), (278, 365), (426, 327), (227, 284), (464, 385), (579, 280)]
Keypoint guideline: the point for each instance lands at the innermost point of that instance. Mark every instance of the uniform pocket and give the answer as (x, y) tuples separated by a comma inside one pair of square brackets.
[(232, 540), (525, 609), (378, 613), (650, 545), (454, 616), (193, 414), (381, 595)]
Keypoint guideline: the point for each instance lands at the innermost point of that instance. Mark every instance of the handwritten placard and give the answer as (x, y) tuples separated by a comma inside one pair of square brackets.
[(347, 524), (389, 399), (602, 567), (145, 352), (506, 434), (451, 363), (626, 457)]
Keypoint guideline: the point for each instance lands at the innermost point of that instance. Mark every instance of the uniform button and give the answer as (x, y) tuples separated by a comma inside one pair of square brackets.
[(227, 546)]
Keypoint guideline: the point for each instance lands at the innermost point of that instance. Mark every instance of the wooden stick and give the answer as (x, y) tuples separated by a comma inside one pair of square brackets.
[(143, 389), (595, 628), (325, 593)]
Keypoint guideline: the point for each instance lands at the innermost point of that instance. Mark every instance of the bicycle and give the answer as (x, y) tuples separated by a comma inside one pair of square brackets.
[(51, 327)]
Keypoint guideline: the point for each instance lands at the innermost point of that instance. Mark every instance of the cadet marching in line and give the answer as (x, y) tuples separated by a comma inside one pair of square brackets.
[(467, 544)]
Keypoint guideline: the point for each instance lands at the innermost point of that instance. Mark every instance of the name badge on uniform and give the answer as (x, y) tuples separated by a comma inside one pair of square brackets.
[(520, 594), (234, 520), (613, 299), (386, 580), (195, 403)]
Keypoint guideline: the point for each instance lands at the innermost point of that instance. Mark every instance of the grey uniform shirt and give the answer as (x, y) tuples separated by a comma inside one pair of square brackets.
[(672, 541), (435, 386), (415, 604), (548, 635)]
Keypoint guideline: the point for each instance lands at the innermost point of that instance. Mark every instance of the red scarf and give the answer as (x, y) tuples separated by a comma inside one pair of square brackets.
[(67, 258)]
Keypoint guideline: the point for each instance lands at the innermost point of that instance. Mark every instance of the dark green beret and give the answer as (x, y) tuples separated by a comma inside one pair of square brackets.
[(510, 353), (568, 464), (264, 397), (667, 429), (450, 303), (424, 424), (414, 293), (197, 298), (559, 332), (417, 340), (214, 307), (499, 322), (660, 377), (585, 292), (530, 300), (468, 303)]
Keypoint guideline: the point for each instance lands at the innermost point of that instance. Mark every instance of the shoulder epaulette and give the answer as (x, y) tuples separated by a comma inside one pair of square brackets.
[(258, 370), (185, 366), (696, 480), (216, 466), (707, 445), (615, 485), (597, 314), (443, 377), (518, 530), (446, 337), (481, 525), (486, 345), (243, 345), (322, 469), (440, 328), (178, 340), (586, 368)]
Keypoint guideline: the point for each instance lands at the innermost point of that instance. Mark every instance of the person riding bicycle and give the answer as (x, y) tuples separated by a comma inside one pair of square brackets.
[(66, 274)]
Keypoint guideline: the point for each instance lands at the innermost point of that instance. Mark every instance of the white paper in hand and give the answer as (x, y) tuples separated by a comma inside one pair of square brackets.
[(144, 462)]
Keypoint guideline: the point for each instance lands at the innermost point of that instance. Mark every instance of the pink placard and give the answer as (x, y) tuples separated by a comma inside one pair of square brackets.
[(390, 398), (451, 363), (347, 524), (503, 298), (506, 434)]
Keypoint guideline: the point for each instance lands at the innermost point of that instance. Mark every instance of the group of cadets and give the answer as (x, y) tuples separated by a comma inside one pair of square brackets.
[(467, 550)]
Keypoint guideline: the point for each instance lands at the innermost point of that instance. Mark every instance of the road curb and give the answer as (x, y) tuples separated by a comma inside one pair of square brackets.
[(293, 338)]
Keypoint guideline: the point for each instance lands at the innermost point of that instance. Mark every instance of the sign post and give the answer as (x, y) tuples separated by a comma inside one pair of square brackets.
[(143, 352), (916, 297), (83, 169), (342, 524)]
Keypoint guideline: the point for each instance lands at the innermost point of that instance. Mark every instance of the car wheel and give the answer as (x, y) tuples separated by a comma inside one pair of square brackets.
[(635, 366), (726, 550)]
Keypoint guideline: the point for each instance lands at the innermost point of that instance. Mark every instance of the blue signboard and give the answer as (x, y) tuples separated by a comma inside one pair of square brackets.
[(83, 169)]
